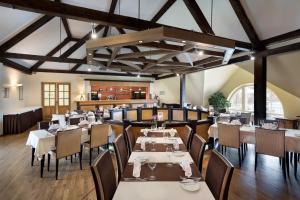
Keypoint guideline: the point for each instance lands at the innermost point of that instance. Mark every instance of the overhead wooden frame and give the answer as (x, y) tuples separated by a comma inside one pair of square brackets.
[(188, 42)]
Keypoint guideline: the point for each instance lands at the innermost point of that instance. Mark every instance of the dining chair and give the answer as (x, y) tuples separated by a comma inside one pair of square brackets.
[(121, 154), (130, 139), (74, 120), (43, 125), (218, 175), (197, 150), (98, 137), (229, 136), (104, 176), (272, 143), (67, 144), (185, 133)]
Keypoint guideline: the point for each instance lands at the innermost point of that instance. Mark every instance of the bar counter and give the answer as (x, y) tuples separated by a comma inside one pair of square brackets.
[(90, 105)]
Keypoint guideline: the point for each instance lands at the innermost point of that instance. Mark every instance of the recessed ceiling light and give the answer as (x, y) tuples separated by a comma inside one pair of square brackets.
[(183, 41), (177, 74), (140, 41), (89, 69), (201, 53)]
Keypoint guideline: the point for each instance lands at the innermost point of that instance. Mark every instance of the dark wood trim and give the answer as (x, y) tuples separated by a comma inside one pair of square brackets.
[(182, 90), (25, 32), (76, 67), (88, 15), (51, 53), (111, 11), (206, 60), (78, 44), (132, 48), (163, 10), (199, 17), (126, 81), (66, 26), (260, 88), (93, 73), (165, 76), (282, 38), (42, 58), (14, 65), (279, 50), (245, 22)]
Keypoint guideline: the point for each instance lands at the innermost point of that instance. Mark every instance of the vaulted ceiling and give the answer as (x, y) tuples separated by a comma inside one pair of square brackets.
[(37, 36)]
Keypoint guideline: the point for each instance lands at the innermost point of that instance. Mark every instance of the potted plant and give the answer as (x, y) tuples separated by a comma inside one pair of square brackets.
[(219, 102)]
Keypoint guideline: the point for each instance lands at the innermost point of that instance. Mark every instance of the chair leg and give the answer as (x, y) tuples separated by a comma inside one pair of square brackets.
[(291, 157), (280, 161), (80, 157), (32, 155), (255, 163), (283, 167), (225, 149), (295, 165), (42, 165), (287, 163), (91, 150), (221, 149), (56, 168), (71, 158), (242, 151), (239, 151), (48, 167), (98, 150)]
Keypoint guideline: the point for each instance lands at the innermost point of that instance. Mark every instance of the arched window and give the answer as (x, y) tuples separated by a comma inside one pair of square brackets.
[(242, 100)]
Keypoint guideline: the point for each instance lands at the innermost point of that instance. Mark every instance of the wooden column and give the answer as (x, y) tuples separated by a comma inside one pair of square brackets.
[(260, 88), (182, 90)]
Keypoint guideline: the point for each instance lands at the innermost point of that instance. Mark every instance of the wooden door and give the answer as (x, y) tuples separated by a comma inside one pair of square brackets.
[(55, 98), (64, 92), (48, 99)]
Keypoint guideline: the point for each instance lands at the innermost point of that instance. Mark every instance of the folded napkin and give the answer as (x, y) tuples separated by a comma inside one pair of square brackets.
[(172, 132), (176, 145), (269, 126), (136, 168), (74, 113), (186, 167), (145, 132), (53, 127), (143, 145), (83, 122), (236, 122), (91, 114), (91, 119), (67, 115)]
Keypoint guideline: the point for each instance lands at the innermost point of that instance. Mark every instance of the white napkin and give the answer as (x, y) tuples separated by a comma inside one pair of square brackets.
[(91, 114), (83, 122), (236, 122), (269, 126), (53, 127), (145, 132), (136, 168), (74, 113), (143, 145), (67, 115), (91, 119), (185, 165), (176, 145), (172, 132)]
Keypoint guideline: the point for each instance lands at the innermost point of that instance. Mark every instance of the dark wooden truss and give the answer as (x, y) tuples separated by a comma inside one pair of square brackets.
[(137, 60)]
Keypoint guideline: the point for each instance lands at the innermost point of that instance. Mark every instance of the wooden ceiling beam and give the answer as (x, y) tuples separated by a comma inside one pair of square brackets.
[(25, 32), (142, 54), (111, 11), (199, 63), (75, 67), (199, 17), (94, 73), (41, 58), (78, 44), (282, 38), (51, 53), (15, 65), (85, 14), (163, 10), (245, 22), (115, 52)]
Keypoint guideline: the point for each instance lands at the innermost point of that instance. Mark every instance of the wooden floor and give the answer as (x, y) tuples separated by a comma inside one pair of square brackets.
[(18, 180)]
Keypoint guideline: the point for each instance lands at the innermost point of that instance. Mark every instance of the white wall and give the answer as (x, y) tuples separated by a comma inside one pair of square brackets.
[(195, 88), (167, 89)]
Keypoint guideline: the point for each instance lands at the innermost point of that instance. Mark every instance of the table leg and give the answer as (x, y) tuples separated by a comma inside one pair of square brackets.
[(295, 164), (32, 155), (42, 165)]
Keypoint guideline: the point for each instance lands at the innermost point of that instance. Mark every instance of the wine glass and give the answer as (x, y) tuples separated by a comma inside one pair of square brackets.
[(152, 166), (153, 144), (169, 151), (163, 126)]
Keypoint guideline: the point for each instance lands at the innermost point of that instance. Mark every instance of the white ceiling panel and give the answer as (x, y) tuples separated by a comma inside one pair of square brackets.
[(25, 63), (79, 28), (13, 21), (273, 17), (42, 40), (56, 66), (102, 5)]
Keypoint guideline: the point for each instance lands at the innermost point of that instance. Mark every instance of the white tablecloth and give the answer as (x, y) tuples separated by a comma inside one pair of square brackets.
[(161, 157), (43, 141), (154, 190), (160, 140), (159, 130), (247, 134)]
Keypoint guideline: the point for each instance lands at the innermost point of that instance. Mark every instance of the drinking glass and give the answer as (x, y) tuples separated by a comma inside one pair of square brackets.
[(169, 151), (163, 126), (153, 144), (152, 166)]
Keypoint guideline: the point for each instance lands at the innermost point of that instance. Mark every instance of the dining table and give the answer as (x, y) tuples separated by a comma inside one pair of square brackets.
[(247, 135), (43, 141), (170, 178)]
